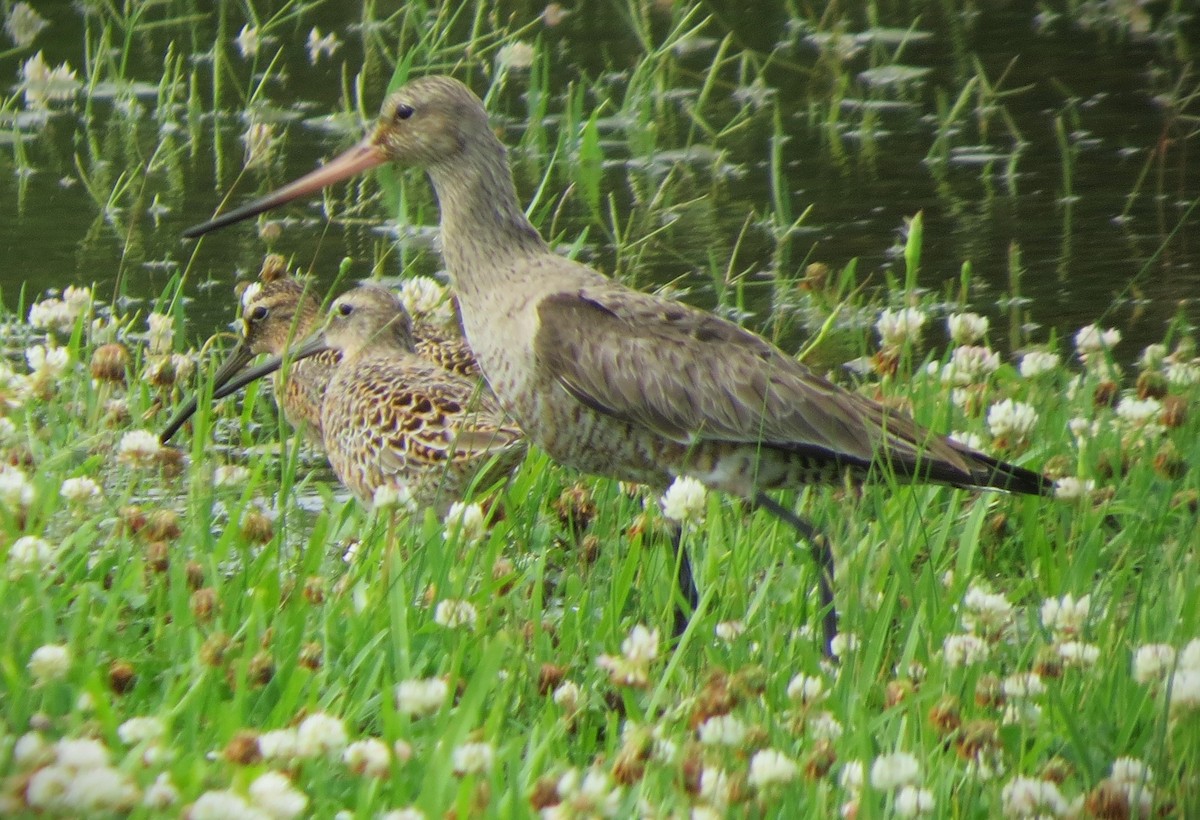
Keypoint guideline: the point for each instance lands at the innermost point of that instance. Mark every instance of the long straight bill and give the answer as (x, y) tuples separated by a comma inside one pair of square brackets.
[(361, 157)]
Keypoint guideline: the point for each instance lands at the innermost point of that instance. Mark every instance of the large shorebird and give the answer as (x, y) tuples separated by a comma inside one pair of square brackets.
[(280, 309), (621, 383)]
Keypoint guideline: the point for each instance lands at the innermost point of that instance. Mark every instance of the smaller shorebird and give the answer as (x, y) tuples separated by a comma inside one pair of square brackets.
[(280, 310), (627, 384), (390, 418)]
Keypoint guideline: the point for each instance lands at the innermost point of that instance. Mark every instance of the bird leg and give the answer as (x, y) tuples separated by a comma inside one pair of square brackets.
[(822, 556), (684, 581)]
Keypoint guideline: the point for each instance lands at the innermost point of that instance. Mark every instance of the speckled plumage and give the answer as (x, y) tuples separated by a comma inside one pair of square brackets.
[(392, 418)]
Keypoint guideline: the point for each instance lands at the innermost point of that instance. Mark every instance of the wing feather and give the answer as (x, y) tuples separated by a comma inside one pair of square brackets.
[(692, 376)]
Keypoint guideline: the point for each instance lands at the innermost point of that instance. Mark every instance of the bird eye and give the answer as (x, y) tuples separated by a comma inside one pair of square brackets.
[(345, 310), (403, 111), (258, 314)]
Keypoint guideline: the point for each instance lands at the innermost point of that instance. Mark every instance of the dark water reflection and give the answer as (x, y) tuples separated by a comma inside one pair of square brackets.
[(860, 147)]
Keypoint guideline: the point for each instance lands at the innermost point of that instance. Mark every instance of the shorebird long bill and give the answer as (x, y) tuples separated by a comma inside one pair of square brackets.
[(362, 157), (238, 358), (230, 379)]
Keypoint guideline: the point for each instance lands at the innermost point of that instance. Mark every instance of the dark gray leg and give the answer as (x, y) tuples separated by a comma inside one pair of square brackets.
[(684, 581), (822, 556)]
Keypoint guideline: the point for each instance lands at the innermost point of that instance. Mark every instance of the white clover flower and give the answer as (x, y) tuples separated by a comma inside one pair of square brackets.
[(1083, 429), (465, 521), (966, 328), (47, 362), (642, 644), (1028, 797), (515, 56), (49, 662), (1027, 685), (1014, 420), (632, 667), (972, 440), (370, 757), (1183, 374), (1189, 658), (79, 489), (568, 696), (1185, 689), (321, 733), (852, 776), (139, 448), (23, 24), (1152, 662), (453, 614), (79, 753), (421, 696), (722, 730), (77, 792), (589, 795), (1066, 615), (15, 489), (970, 364), (30, 553), (1139, 412), (898, 327), (230, 475), (716, 786), (1021, 712), (891, 771), (987, 612), (247, 41), (140, 730), (223, 805), (162, 794), (843, 644), (685, 501), (472, 758), (806, 689), (388, 497), (912, 801), (1092, 339), (1036, 362), (1131, 771), (274, 793), (409, 813), (78, 299), (964, 650), (319, 46), (823, 726), (43, 85), (769, 766), (51, 314), (279, 745), (1078, 653), (31, 750), (730, 631), (160, 334), (1073, 488), (427, 301)]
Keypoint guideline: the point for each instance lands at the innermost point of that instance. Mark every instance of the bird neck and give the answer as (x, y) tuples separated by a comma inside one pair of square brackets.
[(484, 228)]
